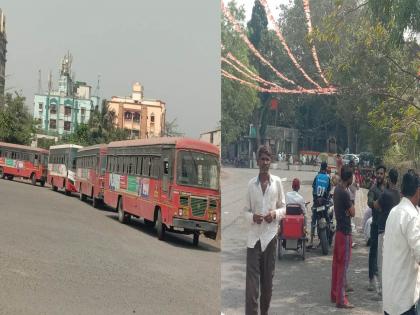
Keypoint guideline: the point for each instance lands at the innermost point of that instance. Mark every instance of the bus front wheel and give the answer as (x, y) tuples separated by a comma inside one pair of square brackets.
[(122, 216), (160, 227), (33, 179), (54, 188)]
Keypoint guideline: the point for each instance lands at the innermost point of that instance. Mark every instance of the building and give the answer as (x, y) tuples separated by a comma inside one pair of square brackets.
[(280, 139), (3, 43), (141, 117), (213, 136), (58, 112)]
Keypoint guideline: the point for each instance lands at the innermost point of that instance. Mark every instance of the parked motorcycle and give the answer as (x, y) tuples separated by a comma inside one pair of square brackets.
[(324, 223)]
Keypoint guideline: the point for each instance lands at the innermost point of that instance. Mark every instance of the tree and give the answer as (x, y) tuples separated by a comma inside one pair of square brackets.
[(45, 143), (377, 81), (16, 124), (259, 37), (238, 101), (171, 129), (397, 16)]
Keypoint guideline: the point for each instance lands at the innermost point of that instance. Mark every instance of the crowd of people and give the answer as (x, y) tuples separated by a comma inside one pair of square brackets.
[(394, 253)]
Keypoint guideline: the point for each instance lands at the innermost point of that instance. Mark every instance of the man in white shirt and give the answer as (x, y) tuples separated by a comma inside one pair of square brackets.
[(293, 197), (401, 252), (264, 208)]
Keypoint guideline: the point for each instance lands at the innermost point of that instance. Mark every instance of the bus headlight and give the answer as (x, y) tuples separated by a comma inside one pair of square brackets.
[(214, 217), (180, 211)]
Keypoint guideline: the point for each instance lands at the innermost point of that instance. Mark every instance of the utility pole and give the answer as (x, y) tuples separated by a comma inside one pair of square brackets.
[(39, 82)]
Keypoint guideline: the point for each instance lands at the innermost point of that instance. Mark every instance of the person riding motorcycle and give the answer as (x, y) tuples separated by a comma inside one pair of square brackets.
[(321, 188)]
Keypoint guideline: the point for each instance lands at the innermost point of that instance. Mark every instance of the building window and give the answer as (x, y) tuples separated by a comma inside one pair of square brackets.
[(53, 124), (152, 118), (135, 134), (82, 112), (53, 109), (67, 125), (136, 117), (40, 106), (67, 111), (128, 115)]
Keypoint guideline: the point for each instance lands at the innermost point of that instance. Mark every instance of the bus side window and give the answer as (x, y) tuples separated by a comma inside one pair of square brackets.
[(165, 167), (103, 161), (146, 166), (139, 165), (155, 168)]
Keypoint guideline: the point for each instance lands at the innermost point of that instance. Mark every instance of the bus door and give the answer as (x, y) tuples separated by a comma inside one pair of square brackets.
[(167, 167)]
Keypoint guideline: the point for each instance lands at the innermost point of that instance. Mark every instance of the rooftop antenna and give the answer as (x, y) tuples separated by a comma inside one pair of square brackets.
[(98, 86), (50, 83), (39, 82)]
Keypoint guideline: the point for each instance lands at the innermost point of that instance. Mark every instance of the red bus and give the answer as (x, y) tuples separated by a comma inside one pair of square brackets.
[(22, 161), (90, 172), (62, 167), (172, 183)]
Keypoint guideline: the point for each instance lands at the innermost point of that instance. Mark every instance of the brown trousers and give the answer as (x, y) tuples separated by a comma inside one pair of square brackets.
[(259, 274)]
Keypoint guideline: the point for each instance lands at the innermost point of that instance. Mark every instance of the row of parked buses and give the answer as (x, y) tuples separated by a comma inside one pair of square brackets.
[(172, 183)]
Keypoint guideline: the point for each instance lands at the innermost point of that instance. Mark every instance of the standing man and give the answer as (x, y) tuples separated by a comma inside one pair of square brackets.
[(265, 206), (373, 195), (401, 278), (344, 210), (388, 200)]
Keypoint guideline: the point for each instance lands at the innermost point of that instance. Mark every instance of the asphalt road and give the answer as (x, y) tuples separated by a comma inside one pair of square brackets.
[(300, 287), (61, 256)]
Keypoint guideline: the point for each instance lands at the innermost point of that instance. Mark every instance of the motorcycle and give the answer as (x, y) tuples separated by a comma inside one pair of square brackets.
[(324, 224)]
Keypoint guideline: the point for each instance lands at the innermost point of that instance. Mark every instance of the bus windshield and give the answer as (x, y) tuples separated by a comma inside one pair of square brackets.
[(198, 169)]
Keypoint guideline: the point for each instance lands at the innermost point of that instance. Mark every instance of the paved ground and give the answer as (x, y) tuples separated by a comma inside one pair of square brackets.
[(300, 287), (61, 256)]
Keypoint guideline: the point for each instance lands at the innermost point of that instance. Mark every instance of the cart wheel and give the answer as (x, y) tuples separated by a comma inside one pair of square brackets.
[(280, 248)]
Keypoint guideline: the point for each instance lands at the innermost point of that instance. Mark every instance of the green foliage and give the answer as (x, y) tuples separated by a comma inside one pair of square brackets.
[(172, 129), (238, 101), (378, 105), (16, 124), (397, 16), (45, 143)]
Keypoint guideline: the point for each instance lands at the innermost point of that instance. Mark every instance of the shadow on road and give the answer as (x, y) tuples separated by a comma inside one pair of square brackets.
[(300, 286), (177, 240)]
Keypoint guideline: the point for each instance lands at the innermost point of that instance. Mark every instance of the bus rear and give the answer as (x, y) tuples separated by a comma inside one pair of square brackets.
[(62, 167)]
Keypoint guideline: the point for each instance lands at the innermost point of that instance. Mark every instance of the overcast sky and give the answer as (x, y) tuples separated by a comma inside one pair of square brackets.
[(171, 47)]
